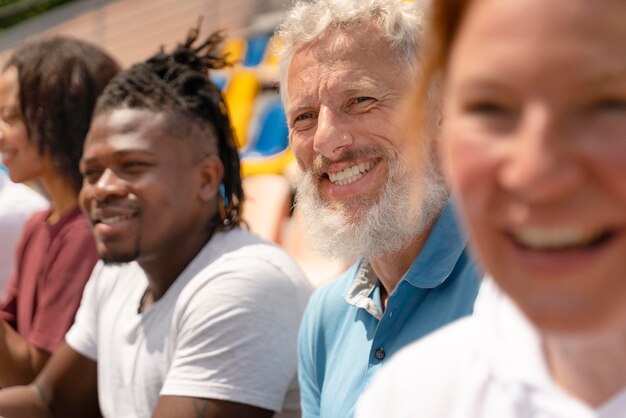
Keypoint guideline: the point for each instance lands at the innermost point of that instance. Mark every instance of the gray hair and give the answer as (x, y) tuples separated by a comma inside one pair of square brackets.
[(400, 22)]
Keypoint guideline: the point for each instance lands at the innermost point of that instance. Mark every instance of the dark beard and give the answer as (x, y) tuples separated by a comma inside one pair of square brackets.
[(122, 258), (117, 259)]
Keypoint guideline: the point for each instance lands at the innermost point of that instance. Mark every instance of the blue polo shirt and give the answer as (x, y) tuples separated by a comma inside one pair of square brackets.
[(345, 338)]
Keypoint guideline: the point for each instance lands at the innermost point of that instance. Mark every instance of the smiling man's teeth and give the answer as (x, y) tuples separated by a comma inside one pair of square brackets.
[(350, 174), (113, 219), (558, 238)]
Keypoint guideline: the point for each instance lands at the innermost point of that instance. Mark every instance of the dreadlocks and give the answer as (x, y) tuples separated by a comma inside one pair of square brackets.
[(178, 84)]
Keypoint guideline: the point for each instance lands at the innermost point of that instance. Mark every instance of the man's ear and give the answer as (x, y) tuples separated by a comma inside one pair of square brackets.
[(212, 173)]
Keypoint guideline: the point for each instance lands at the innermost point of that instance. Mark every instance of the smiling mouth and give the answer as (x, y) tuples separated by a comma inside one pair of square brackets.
[(110, 220), (349, 175), (560, 239)]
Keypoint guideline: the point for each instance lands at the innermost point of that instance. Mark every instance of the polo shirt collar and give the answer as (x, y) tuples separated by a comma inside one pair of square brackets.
[(362, 292), (442, 250), (431, 268)]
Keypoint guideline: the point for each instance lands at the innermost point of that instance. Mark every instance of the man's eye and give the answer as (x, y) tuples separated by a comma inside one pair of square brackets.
[(134, 165), (362, 99), (303, 116), (304, 121), (90, 175)]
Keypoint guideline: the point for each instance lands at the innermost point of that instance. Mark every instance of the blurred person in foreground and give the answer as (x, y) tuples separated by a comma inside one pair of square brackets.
[(18, 203), (48, 89), (188, 315), (534, 143), (370, 192)]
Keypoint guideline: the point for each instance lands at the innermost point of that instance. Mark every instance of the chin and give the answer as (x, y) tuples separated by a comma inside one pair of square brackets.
[(564, 318), (110, 256)]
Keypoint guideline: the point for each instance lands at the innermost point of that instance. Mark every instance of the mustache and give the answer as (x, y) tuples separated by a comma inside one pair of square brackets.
[(320, 164)]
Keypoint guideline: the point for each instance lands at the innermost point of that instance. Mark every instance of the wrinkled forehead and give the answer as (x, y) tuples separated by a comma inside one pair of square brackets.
[(345, 58)]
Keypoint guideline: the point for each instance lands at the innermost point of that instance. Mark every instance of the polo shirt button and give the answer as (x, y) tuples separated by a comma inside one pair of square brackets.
[(380, 354)]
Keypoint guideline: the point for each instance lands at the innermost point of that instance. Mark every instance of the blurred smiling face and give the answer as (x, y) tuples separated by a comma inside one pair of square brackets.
[(19, 154), (535, 145)]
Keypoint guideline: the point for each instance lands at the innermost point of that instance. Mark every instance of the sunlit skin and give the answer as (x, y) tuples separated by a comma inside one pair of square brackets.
[(25, 163), (149, 195), (534, 141), (19, 154), (344, 96)]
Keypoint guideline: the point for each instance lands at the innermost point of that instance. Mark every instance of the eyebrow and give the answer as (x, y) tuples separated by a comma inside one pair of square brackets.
[(348, 88), (119, 153), (606, 76), (362, 84), (13, 107)]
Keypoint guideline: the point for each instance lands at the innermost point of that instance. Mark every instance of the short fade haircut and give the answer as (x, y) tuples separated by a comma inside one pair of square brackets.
[(59, 81), (177, 84), (401, 23)]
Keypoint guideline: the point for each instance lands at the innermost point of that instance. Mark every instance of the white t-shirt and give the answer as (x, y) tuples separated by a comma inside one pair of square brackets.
[(226, 329), (17, 204), (489, 365)]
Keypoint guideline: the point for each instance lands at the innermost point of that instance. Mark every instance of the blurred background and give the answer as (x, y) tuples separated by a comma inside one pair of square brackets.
[(133, 30)]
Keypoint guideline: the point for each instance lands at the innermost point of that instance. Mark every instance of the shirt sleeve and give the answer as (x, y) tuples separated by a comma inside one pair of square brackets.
[(307, 366), (8, 310), (67, 274), (237, 337), (82, 336)]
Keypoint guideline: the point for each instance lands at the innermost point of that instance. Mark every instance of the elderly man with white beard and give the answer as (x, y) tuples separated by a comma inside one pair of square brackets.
[(370, 191)]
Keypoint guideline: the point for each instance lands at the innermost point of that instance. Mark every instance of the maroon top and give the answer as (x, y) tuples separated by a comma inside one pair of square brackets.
[(52, 267)]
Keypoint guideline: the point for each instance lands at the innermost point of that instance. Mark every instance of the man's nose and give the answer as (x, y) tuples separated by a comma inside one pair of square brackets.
[(333, 134), (108, 185)]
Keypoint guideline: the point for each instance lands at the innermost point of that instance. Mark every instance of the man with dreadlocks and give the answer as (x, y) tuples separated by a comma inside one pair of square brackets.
[(187, 315)]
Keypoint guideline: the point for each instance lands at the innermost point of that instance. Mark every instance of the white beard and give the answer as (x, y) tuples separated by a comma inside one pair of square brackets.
[(388, 226)]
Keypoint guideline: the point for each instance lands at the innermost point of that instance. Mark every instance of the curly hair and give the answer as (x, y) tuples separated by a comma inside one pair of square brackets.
[(178, 84), (401, 23), (59, 81)]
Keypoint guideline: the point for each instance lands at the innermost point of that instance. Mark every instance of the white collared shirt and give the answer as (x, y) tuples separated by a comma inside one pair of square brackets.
[(489, 365)]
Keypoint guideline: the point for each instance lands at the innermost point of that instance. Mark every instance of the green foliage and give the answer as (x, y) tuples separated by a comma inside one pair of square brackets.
[(22, 15), (7, 2)]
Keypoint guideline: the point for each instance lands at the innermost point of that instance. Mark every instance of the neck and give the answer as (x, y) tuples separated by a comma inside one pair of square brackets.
[(390, 268), (592, 368), (165, 266), (63, 197)]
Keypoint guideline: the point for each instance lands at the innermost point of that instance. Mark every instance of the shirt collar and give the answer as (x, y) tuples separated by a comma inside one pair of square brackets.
[(361, 294), (445, 244), (511, 342), (431, 268), (512, 347)]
